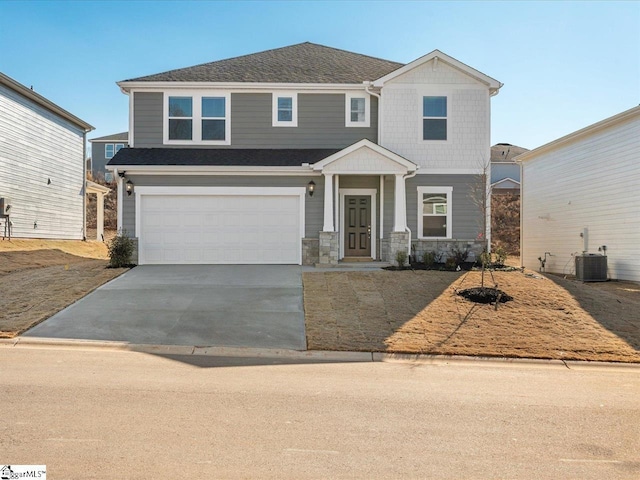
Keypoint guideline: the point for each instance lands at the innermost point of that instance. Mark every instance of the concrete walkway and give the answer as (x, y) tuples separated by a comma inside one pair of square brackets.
[(255, 306)]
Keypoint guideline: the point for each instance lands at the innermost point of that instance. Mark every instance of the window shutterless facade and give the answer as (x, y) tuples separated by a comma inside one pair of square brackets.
[(434, 212), (357, 111), (434, 118), (200, 119), (285, 109)]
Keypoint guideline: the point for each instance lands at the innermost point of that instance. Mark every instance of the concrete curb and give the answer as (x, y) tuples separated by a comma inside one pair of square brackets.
[(309, 355)]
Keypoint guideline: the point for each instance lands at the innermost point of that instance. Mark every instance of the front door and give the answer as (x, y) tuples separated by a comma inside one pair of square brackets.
[(357, 226)]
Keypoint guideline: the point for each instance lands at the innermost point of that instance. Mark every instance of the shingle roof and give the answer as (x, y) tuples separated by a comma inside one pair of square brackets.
[(505, 152), (248, 157), (302, 63), (124, 136)]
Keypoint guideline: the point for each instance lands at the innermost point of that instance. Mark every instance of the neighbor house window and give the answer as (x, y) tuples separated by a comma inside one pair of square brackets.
[(357, 110), (285, 110), (201, 119), (434, 118), (434, 212), (110, 149)]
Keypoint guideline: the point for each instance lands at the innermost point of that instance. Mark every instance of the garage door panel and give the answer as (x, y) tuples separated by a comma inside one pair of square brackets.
[(220, 229)]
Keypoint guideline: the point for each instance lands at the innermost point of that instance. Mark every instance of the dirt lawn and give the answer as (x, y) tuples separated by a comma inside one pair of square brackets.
[(38, 278), (419, 312)]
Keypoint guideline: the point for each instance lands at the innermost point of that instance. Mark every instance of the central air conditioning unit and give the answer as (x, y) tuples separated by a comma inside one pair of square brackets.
[(591, 267), (5, 206)]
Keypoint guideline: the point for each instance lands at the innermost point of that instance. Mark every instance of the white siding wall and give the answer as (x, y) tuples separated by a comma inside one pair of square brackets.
[(36, 145), (468, 144), (593, 183)]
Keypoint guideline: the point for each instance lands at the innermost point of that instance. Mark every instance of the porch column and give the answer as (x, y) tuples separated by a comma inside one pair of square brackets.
[(100, 217), (400, 205), (328, 203)]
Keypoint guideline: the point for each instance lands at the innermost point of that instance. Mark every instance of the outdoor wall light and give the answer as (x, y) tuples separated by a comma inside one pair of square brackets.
[(311, 187), (129, 185)]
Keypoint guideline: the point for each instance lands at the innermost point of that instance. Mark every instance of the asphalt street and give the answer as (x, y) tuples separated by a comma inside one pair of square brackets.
[(104, 414)]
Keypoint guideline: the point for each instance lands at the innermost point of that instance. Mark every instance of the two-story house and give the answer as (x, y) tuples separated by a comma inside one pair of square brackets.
[(104, 149), (505, 172), (301, 155)]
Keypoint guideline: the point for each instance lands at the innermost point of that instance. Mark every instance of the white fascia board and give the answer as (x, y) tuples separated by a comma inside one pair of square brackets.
[(492, 83), (450, 171), (508, 179), (579, 134), (237, 86), (369, 144), (211, 170)]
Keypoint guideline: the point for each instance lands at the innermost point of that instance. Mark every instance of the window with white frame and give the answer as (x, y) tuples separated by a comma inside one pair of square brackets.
[(434, 118), (285, 109), (434, 212), (110, 149), (201, 119), (357, 112)]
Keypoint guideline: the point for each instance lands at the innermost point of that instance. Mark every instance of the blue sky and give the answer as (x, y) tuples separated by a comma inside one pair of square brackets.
[(565, 65)]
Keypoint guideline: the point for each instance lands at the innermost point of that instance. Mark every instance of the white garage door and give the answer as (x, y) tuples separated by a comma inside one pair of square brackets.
[(210, 229)]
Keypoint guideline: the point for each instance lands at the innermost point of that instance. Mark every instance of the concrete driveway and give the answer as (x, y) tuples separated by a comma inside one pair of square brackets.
[(258, 306)]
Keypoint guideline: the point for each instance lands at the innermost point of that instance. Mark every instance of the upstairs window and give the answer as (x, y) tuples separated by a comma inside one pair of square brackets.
[(213, 118), (180, 118), (110, 149), (201, 119), (434, 118), (357, 110), (285, 110), (434, 212)]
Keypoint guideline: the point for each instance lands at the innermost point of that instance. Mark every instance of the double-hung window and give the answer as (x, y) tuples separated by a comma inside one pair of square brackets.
[(201, 119), (110, 149), (434, 212), (285, 109), (434, 118), (357, 112)]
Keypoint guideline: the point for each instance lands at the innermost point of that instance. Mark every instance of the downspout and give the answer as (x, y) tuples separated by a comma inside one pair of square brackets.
[(406, 228), (367, 86), (84, 185)]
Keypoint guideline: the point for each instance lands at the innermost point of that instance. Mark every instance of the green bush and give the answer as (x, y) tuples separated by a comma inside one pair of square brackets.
[(501, 256), (485, 259), (459, 255), (401, 258), (429, 258), (120, 251)]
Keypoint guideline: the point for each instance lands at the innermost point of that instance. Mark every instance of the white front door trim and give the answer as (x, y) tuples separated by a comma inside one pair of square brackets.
[(371, 192)]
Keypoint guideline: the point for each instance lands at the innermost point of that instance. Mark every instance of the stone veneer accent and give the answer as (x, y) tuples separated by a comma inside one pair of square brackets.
[(328, 251), (398, 241), (442, 248), (310, 251)]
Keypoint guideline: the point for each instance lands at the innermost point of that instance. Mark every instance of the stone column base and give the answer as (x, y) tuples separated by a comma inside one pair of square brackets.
[(398, 242), (328, 251)]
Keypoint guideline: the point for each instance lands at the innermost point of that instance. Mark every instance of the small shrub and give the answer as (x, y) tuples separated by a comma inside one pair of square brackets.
[(485, 259), (451, 263), (459, 255), (120, 251), (501, 255), (401, 258), (429, 258)]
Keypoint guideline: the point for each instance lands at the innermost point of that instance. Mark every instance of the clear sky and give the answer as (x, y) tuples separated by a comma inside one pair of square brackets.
[(564, 65)]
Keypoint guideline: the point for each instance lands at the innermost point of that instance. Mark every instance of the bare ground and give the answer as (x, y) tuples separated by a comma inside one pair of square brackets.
[(38, 278), (419, 312)]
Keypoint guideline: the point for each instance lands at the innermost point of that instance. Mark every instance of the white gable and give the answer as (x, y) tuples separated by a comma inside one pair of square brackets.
[(364, 160), (434, 72)]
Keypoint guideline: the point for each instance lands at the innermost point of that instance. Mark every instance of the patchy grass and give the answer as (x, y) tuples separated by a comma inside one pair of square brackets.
[(419, 312), (38, 278)]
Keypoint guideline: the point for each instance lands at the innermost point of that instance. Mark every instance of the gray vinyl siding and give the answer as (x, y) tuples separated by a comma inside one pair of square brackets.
[(465, 214), (500, 171), (321, 123), (37, 145), (147, 120), (98, 159), (314, 206)]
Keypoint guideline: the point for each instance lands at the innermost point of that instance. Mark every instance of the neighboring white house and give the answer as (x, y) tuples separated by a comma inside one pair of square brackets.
[(581, 193), (42, 167)]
